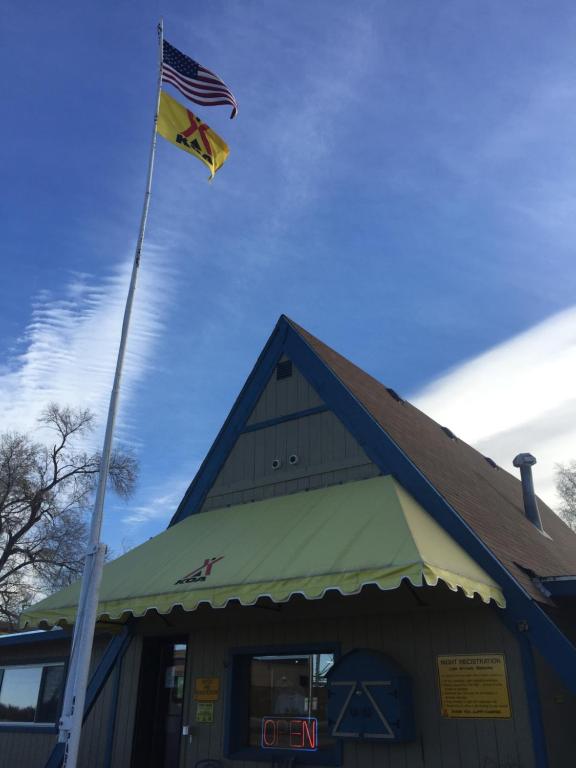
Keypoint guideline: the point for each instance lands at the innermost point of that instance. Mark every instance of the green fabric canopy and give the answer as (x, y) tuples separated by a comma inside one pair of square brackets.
[(342, 537)]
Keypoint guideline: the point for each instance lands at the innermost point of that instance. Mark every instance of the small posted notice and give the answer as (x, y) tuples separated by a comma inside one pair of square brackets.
[(474, 686), (207, 688), (205, 712)]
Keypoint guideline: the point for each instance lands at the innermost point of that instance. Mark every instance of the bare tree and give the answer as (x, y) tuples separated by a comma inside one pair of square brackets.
[(45, 490), (566, 488)]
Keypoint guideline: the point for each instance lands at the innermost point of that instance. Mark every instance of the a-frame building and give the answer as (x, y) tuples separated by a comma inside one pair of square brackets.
[(345, 582)]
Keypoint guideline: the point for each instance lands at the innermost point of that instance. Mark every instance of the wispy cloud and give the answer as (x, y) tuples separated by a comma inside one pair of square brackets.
[(518, 396), (289, 127), (309, 125), (162, 501), (67, 352), (525, 159)]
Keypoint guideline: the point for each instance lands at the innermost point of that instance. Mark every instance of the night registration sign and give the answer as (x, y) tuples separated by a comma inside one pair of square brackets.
[(207, 688), (474, 686)]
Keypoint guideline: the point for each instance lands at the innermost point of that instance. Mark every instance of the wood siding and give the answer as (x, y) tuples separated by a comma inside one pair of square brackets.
[(327, 452), (413, 638), (413, 628), (25, 750), (128, 693), (558, 714), (283, 397)]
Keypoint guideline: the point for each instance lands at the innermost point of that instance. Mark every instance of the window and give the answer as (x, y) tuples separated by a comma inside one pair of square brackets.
[(284, 370), (279, 706), (31, 694)]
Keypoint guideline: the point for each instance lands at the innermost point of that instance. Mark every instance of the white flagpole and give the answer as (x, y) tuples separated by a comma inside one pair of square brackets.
[(75, 692)]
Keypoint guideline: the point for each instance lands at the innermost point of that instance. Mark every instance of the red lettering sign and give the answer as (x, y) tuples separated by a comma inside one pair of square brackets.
[(290, 733), (268, 733)]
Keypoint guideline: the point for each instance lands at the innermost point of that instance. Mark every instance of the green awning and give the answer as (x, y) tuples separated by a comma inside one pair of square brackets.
[(338, 538)]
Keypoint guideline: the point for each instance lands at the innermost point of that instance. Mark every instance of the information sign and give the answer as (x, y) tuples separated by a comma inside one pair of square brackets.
[(205, 712), (474, 686), (207, 688)]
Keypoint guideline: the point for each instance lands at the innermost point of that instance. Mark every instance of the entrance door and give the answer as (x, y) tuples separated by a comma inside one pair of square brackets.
[(157, 731)]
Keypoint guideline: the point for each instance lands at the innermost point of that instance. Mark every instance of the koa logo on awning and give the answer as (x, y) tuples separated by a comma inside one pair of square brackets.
[(202, 573), (290, 733)]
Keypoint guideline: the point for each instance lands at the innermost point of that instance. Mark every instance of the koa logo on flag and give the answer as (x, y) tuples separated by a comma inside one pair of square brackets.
[(191, 141), (202, 573), (188, 132)]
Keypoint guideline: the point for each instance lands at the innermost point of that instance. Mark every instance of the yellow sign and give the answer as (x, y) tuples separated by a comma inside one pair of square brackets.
[(182, 128), (207, 688), (474, 685), (205, 712)]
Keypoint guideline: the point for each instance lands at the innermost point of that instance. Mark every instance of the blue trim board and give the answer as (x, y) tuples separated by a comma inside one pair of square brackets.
[(283, 419), (287, 648), (112, 715), (114, 652), (562, 586), (532, 692), (390, 459), (234, 424), (34, 637), (112, 656), (27, 728), (56, 756), (533, 697)]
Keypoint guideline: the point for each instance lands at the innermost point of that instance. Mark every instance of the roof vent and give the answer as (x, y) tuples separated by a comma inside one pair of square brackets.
[(525, 462), (284, 370), (394, 394), (449, 432), (491, 462)]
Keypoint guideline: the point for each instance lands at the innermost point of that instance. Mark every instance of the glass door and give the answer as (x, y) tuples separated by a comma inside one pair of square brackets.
[(174, 665), (158, 727)]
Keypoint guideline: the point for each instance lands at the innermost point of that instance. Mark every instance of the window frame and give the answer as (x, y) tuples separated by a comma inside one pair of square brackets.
[(237, 692), (11, 726)]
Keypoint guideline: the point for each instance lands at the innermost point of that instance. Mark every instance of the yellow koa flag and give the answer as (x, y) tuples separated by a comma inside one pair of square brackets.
[(179, 126)]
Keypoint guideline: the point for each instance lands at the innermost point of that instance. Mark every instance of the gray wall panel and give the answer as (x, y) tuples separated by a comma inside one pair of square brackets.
[(390, 622), (127, 699), (25, 750), (414, 639), (327, 451), (280, 398), (328, 454), (559, 715)]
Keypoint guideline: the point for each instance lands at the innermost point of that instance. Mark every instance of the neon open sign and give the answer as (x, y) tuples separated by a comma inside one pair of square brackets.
[(290, 733)]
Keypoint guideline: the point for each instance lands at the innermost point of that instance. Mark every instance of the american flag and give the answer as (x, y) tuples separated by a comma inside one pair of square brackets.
[(194, 81)]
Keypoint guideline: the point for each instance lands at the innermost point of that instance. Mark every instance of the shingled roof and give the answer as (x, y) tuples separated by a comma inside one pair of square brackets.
[(488, 498)]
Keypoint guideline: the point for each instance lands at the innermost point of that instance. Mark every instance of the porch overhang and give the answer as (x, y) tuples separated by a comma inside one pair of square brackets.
[(339, 538)]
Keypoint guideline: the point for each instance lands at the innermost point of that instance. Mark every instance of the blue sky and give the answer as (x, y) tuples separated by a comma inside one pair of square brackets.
[(402, 182)]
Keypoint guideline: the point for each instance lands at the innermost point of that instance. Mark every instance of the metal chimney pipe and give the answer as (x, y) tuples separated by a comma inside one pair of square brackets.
[(525, 461)]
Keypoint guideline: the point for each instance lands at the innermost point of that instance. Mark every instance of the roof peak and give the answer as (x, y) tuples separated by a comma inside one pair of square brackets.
[(479, 507), (407, 443)]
